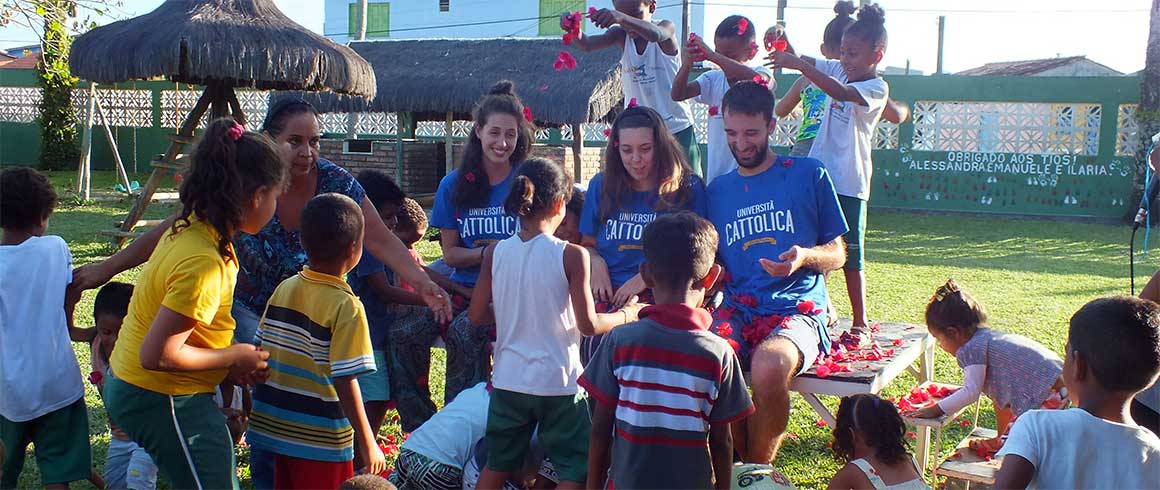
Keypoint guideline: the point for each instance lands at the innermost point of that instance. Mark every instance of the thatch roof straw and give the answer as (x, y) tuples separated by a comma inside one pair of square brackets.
[(241, 43), (432, 77)]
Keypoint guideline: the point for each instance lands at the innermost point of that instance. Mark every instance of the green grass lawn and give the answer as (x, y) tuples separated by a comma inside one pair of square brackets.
[(1030, 274)]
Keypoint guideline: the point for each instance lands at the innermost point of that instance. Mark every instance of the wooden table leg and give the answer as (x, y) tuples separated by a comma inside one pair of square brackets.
[(926, 373), (823, 412)]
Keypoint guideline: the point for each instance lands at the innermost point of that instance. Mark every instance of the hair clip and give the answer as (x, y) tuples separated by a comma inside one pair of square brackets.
[(235, 132)]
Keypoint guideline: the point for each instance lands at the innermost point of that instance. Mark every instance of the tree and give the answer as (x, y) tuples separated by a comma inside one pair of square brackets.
[(1148, 112), (54, 21)]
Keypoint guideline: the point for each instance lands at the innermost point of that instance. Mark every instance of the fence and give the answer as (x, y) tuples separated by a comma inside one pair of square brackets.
[(1020, 145)]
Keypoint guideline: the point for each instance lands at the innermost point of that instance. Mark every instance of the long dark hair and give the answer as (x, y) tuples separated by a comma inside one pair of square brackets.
[(223, 175), (538, 185), (879, 424), (674, 175), (501, 99), (282, 110)]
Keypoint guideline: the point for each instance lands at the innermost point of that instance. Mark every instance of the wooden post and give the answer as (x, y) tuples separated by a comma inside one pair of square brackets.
[(942, 24), (686, 19), (87, 145), (235, 106), (577, 152), (449, 143), (113, 146)]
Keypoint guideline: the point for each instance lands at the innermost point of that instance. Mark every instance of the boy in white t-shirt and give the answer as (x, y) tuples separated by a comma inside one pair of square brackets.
[(648, 64), (733, 46), (41, 391), (857, 98), (1113, 352)]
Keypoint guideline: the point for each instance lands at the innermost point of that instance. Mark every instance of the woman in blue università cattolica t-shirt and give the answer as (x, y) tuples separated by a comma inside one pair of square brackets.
[(469, 215), (644, 174)]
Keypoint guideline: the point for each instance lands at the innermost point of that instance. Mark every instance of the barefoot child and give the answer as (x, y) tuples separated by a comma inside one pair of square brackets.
[(175, 346), (870, 438), (1013, 371), (1113, 352), (845, 138), (42, 395), (733, 47), (666, 388), (649, 62), (537, 351), (309, 413)]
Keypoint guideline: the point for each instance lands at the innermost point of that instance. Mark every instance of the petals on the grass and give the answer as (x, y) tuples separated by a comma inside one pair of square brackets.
[(819, 423)]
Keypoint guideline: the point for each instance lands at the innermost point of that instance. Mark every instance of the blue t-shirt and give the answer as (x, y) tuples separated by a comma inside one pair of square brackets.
[(618, 237), (477, 226), (761, 216), (379, 314)]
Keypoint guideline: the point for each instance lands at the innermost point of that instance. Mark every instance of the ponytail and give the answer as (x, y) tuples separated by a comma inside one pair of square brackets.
[(538, 185), (227, 166), (870, 26), (832, 36)]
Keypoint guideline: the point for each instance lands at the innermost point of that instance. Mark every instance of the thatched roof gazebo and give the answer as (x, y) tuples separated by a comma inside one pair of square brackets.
[(441, 80), (220, 44)]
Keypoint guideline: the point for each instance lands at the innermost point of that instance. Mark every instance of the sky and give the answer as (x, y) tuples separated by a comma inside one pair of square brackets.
[(1112, 32)]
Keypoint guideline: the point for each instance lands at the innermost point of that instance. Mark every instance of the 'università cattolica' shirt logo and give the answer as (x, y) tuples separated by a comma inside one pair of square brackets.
[(754, 225), (627, 226), (489, 221)]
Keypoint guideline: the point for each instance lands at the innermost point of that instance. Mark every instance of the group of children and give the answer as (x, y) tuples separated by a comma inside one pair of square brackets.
[(654, 403)]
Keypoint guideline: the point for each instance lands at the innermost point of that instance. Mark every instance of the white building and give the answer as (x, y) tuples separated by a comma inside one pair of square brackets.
[(410, 19)]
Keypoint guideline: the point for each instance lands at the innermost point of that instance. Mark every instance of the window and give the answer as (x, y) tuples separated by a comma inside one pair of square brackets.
[(444, 5), (378, 20), (550, 11)]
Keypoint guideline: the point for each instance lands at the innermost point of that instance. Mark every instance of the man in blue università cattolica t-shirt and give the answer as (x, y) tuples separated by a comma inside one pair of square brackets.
[(780, 230)]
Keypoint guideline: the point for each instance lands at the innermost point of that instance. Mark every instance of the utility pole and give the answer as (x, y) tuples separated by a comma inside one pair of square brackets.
[(942, 24), (352, 117), (686, 20), (781, 11)]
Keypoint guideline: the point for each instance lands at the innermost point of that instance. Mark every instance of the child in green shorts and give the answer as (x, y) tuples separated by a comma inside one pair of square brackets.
[(537, 350), (42, 394)]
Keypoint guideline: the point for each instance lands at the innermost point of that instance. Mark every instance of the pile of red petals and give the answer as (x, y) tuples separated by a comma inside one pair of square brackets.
[(779, 45), (808, 307), (572, 24), (938, 391), (919, 396), (725, 331), (827, 367), (564, 60)]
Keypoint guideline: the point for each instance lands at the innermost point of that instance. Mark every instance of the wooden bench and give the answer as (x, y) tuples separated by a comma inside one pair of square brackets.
[(967, 466), (915, 346), (938, 424)]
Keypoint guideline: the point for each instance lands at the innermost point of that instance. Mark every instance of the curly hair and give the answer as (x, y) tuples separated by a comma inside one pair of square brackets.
[(870, 26), (877, 422), (411, 216), (501, 99), (222, 177), (539, 184), (26, 198)]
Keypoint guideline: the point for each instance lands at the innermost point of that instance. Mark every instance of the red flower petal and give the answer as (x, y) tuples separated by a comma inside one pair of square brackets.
[(591, 11), (742, 26), (470, 177), (964, 423), (823, 371), (897, 342), (607, 132), (724, 313), (558, 65), (805, 307), (875, 327), (760, 79), (96, 377), (780, 45), (568, 38), (390, 438), (632, 102), (725, 329), (528, 114), (736, 347), (932, 389), (792, 436), (912, 435), (713, 111), (819, 423), (787, 162)]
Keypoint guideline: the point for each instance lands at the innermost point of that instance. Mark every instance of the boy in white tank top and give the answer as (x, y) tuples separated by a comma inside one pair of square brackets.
[(543, 305), (649, 61)]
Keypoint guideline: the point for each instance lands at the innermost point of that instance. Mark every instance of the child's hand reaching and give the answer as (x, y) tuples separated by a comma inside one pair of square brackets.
[(785, 59), (372, 456), (931, 412), (605, 18), (695, 49)]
